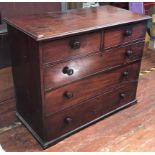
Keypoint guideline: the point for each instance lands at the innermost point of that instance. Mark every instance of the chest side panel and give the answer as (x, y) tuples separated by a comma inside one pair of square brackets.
[(27, 78)]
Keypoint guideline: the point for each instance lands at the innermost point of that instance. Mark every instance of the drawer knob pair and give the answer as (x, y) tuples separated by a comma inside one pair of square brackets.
[(68, 94), (68, 71), (74, 44), (128, 32)]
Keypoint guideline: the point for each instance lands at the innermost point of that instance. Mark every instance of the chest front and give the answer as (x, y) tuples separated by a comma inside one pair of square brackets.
[(67, 79)]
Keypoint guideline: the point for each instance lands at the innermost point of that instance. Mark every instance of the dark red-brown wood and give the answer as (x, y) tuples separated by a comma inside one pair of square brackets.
[(52, 25), (85, 89), (121, 35), (141, 118), (27, 79), (89, 65), (77, 116), (78, 76), (61, 49)]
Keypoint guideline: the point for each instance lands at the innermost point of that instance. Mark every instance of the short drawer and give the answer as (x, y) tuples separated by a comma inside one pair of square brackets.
[(64, 73), (79, 91), (124, 34), (77, 116), (70, 47)]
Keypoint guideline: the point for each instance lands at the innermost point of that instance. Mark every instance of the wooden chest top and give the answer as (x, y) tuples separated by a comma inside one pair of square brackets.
[(59, 24)]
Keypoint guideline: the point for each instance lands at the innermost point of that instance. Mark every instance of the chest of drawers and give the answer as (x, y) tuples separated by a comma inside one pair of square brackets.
[(74, 68)]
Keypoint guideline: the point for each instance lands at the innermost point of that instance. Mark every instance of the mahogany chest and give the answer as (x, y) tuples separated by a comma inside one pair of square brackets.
[(74, 68)]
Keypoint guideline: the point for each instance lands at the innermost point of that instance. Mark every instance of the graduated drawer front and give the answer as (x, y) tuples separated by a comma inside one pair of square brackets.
[(70, 47), (74, 117), (85, 66), (124, 34), (76, 92)]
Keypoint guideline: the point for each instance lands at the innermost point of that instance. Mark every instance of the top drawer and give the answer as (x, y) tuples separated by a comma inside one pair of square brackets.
[(80, 45), (124, 34), (70, 47)]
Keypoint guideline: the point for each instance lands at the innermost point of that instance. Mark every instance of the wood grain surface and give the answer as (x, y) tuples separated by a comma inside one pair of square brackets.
[(30, 78), (7, 87), (92, 64), (74, 117), (95, 85), (117, 36), (58, 24), (59, 50)]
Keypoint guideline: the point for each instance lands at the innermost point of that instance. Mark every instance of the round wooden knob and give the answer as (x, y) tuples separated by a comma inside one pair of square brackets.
[(68, 120), (68, 94), (128, 32), (75, 44), (68, 71), (122, 95), (129, 53), (125, 74)]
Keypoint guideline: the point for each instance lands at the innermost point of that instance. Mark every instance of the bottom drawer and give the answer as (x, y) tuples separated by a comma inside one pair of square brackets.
[(72, 118)]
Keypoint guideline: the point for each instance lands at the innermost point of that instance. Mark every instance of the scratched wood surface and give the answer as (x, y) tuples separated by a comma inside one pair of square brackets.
[(129, 130)]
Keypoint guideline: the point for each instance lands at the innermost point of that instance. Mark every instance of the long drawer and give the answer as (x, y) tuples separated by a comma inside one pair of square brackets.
[(67, 72), (76, 92), (72, 118), (124, 34)]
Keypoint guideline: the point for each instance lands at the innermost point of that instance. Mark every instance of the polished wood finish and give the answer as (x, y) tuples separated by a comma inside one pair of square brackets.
[(125, 136), (82, 20), (77, 116), (122, 35), (95, 85), (49, 85), (8, 111), (101, 61), (26, 74), (141, 118), (61, 49)]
